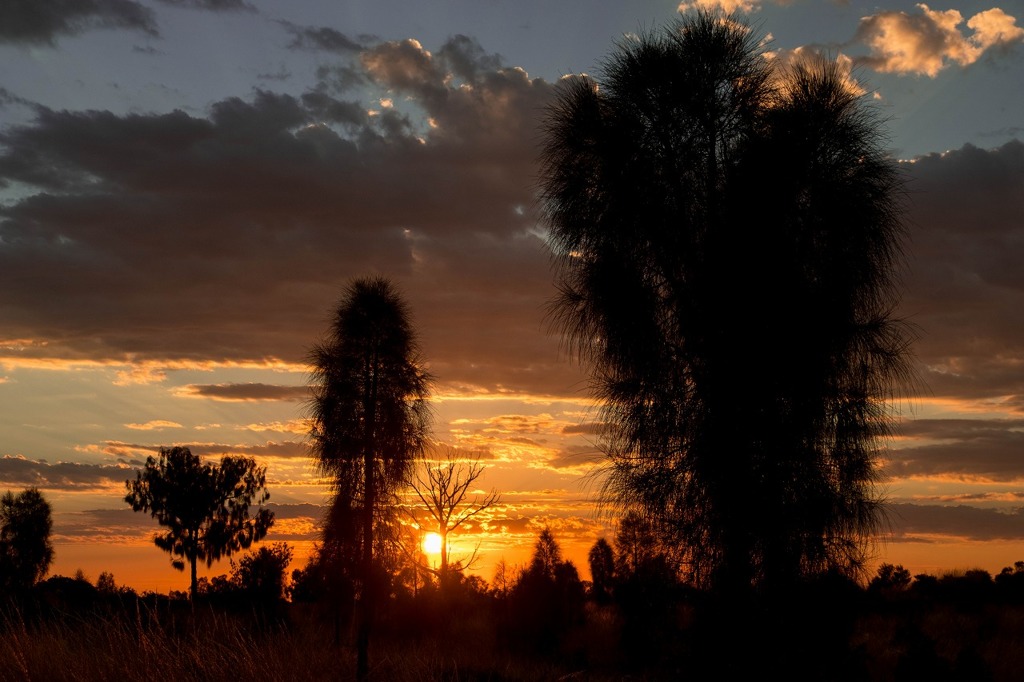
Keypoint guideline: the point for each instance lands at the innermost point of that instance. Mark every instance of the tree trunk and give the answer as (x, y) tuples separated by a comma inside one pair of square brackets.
[(195, 582), (443, 576), (366, 602)]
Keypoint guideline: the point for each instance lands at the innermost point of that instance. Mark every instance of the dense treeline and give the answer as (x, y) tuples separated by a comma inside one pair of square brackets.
[(538, 621)]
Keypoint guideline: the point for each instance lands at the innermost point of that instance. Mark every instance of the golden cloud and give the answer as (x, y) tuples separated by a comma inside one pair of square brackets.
[(927, 43), (154, 425), (296, 426)]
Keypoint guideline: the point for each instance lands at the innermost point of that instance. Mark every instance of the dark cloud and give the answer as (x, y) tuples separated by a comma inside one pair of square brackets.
[(7, 98), (230, 236), (302, 510), (339, 78), (968, 448), (1012, 131), (466, 58), (964, 285), (960, 521), (98, 525), (284, 449), (441, 452), (134, 454), (212, 5), (590, 428), (114, 525), (281, 75), (321, 38), (19, 472), (246, 392), (41, 22), (579, 457)]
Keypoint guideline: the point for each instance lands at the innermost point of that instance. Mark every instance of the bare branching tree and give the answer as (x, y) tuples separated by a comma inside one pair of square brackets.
[(447, 500)]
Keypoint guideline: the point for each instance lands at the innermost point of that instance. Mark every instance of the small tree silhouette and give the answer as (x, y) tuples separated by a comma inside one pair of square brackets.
[(262, 574), (548, 598), (105, 583), (205, 507), (602, 571), (25, 548), (890, 578)]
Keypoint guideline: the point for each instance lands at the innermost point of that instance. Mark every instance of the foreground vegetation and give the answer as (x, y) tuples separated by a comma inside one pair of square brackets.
[(954, 627)]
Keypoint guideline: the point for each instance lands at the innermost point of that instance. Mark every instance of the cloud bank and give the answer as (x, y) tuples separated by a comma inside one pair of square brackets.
[(170, 237), (42, 23)]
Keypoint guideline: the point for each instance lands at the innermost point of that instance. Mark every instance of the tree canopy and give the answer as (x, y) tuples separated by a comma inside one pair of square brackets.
[(205, 507), (726, 232)]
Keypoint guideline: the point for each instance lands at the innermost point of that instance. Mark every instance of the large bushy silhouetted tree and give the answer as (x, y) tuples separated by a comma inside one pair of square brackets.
[(204, 506), (726, 233), (369, 421), (25, 548)]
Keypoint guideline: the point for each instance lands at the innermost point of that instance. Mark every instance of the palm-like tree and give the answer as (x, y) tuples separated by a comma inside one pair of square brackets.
[(726, 235), (369, 421)]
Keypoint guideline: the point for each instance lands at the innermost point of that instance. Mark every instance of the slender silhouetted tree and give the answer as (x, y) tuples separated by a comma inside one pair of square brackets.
[(602, 571), (205, 507), (726, 234), (369, 422), (25, 548)]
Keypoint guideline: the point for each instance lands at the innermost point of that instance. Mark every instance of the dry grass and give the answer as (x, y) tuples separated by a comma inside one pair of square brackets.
[(914, 641), (213, 647)]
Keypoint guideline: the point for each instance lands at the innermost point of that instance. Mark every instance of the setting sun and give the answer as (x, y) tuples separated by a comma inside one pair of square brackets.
[(432, 543)]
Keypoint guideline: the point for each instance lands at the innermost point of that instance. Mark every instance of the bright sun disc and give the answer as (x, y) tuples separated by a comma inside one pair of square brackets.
[(432, 543)]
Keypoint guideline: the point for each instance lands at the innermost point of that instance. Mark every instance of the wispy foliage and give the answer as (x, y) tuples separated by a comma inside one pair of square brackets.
[(203, 506), (726, 239), (369, 421)]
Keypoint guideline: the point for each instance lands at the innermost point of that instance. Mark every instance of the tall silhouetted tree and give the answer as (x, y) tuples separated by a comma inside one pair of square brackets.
[(25, 548), (369, 422), (726, 233), (204, 506)]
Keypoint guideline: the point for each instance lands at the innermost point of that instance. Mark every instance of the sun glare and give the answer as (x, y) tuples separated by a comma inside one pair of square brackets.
[(432, 543)]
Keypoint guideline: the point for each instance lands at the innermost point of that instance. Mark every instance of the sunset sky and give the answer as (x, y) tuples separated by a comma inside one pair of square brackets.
[(186, 186)]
